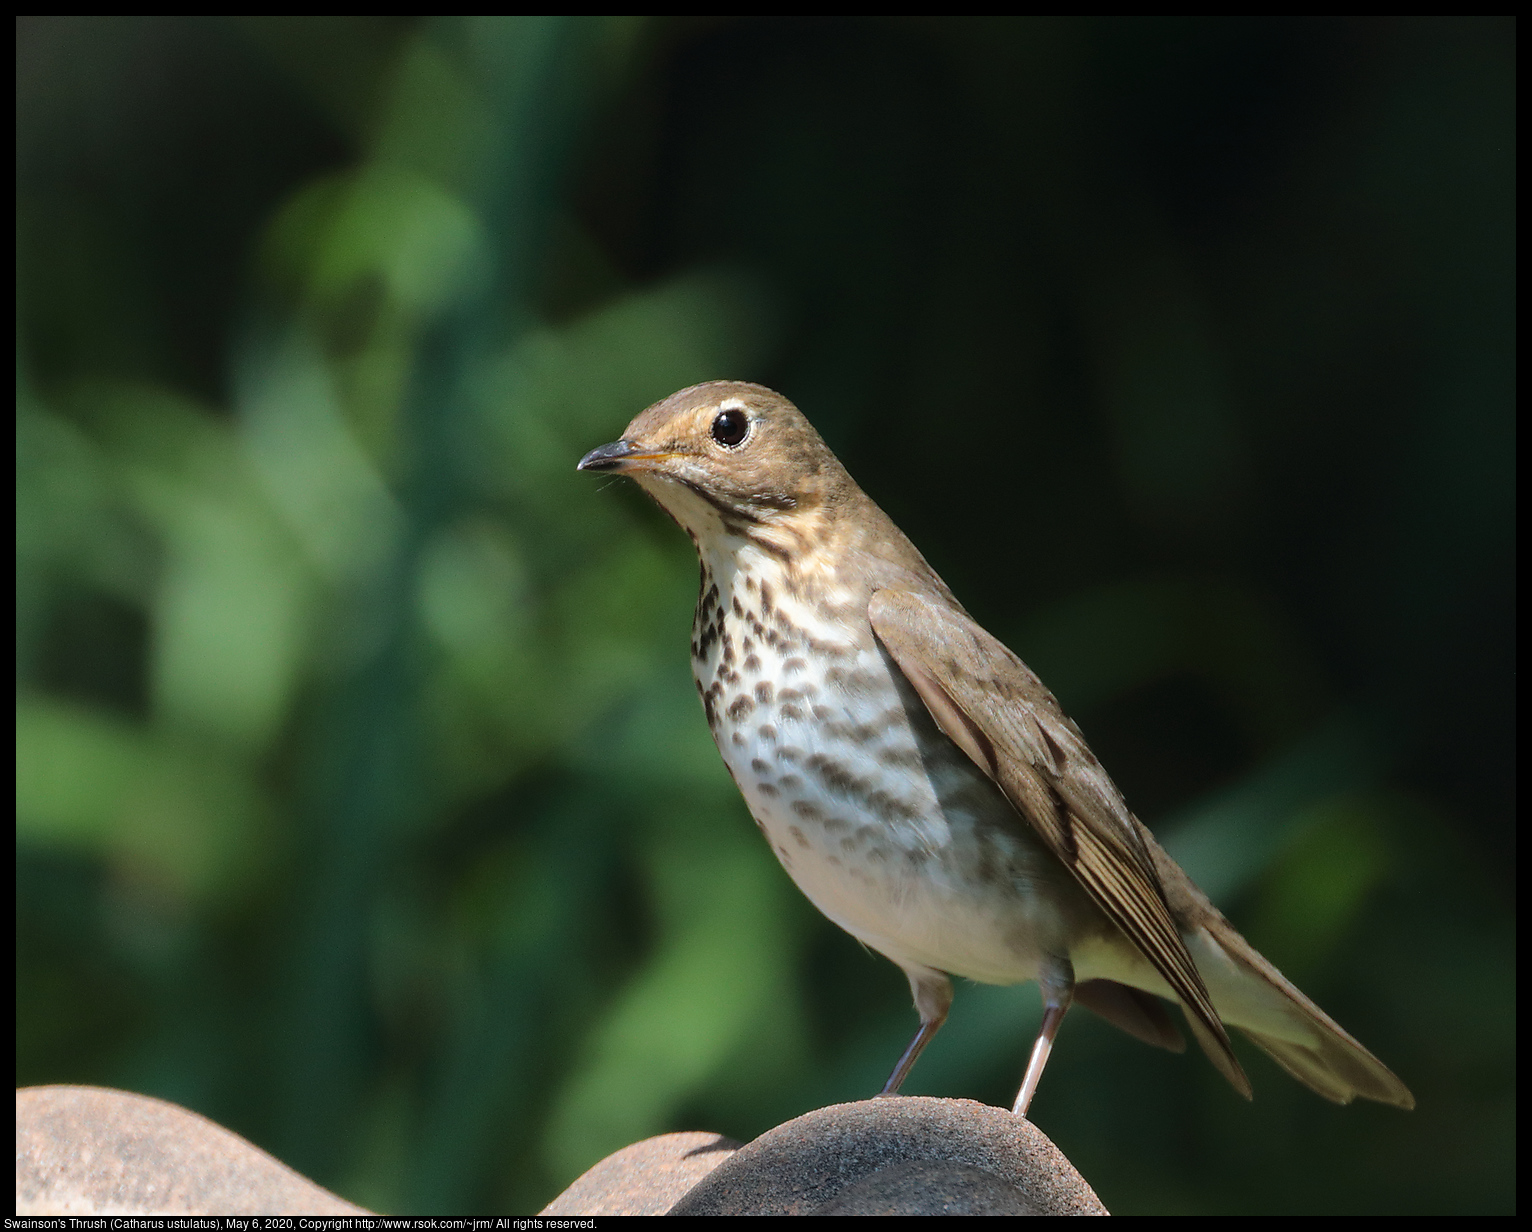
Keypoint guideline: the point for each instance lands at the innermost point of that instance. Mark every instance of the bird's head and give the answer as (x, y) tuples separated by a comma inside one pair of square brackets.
[(729, 455)]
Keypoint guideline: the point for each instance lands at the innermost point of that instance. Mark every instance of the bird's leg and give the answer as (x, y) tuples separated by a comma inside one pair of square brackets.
[(1056, 981), (933, 998)]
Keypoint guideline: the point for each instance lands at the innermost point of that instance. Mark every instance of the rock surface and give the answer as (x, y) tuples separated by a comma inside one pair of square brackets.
[(647, 1178), (902, 1156), (91, 1151)]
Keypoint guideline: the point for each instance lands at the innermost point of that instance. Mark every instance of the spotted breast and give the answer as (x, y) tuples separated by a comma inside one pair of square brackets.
[(879, 819)]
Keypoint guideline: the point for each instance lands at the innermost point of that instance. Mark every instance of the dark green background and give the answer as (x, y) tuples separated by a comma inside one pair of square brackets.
[(363, 802)]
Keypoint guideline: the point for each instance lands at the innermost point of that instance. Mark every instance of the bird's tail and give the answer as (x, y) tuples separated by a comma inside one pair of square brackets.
[(1251, 994)]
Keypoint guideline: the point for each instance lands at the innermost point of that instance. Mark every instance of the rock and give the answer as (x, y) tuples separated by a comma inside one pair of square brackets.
[(930, 1187), (647, 1178), (91, 1151), (901, 1156)]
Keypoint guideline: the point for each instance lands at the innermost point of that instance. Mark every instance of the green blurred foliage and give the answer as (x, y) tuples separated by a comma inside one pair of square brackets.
[(363, 803)]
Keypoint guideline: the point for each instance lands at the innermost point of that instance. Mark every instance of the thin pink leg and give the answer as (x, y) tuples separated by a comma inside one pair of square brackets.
[(907, 1061), (1052, 1017), (1056, 981), (932, 992)]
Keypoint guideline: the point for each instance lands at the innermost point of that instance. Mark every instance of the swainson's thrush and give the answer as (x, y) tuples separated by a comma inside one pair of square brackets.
[(914, 777)]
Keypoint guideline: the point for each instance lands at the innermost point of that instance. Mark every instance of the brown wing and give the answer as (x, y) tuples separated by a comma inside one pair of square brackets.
[(995, 710)]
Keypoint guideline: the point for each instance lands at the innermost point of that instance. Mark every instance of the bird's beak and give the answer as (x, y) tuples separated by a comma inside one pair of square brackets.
[(618, 456)]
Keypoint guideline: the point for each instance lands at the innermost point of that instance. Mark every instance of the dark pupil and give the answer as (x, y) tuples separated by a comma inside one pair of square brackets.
[(729, 428)]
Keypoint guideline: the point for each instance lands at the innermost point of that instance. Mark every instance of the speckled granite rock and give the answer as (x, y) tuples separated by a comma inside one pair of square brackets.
[(903, 1156), (930, 1187), (647, 1178), (91, 1151)]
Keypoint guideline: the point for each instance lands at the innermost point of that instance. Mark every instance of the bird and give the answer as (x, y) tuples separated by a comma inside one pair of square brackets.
[(918, 782)]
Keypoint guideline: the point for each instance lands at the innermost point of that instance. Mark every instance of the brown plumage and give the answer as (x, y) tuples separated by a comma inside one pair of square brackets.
[(917, 781)]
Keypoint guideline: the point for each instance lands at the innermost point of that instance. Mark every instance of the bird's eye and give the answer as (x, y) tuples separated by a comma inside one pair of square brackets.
[(730, 427)]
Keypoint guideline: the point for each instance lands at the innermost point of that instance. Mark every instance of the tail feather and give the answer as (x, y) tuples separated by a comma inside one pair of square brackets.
[(1338, 1068), (1141, 1014), (1251, 994)]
